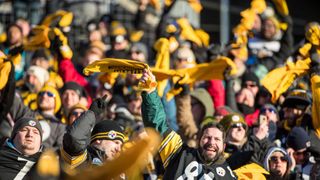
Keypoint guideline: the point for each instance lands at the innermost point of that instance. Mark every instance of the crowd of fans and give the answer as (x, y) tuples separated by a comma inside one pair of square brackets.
[(249, 109)]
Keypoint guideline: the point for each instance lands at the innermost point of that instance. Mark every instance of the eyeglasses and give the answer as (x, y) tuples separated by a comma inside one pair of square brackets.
[(76, 113), (264, 110), (136, 52), (237, 125), (49, 94), (276, 158)]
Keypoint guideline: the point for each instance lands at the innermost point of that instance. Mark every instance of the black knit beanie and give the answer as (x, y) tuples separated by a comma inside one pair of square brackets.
[(250, 76), (73, 86), (298, 139), (107, 129), (25, 121)]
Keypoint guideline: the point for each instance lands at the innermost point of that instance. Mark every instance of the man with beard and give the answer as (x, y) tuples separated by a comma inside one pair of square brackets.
[(49, 103), (295, 113), (22, 150), (179, 160)]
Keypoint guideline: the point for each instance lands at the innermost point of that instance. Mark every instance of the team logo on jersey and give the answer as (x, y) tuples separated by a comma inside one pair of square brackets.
[(112, 134), (220, 171), (97, 161), (32, 123)]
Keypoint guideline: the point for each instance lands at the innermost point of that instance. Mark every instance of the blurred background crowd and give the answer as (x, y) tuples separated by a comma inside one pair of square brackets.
[(268, 106)]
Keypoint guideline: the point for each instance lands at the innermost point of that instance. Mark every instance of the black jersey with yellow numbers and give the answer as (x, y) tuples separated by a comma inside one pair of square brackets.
[(14, 165), (182, 162)]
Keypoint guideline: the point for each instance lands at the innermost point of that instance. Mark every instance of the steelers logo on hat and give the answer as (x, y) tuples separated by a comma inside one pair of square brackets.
[(220, 171), (32, 123), (235, 118), (112, 134)]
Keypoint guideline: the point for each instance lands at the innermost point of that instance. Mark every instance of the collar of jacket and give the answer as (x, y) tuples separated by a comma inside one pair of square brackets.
[(97, 153)]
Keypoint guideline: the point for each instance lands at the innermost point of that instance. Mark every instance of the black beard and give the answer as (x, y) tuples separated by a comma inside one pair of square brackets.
[(205, 157)]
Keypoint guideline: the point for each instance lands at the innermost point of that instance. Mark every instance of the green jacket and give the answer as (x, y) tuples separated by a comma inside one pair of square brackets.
[(153, 113)]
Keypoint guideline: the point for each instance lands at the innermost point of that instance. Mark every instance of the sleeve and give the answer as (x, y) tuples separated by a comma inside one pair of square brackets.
[(154, 116), (69, 73), (185, 120), (77, 138), (217, 92), (315, 80), (153, 113), (230, 95), (19, 110), (259, 148)]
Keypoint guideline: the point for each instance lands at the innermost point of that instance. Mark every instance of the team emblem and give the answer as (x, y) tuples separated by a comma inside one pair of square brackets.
[(235, 118), (220, 171), (112, 134), (32, 123)]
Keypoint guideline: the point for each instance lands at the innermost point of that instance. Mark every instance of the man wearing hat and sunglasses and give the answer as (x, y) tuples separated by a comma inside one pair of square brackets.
[(84, 148), (22, 150), (48, 105)]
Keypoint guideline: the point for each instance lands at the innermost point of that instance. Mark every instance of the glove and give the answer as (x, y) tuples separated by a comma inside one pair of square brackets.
[(99, 105), (185, 88), (16, 50)]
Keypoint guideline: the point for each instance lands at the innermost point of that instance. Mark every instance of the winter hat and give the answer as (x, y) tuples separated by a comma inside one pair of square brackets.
[(298, 139), (73, 86), (57, 98), (40, 73), (250, 76), (140, 47), (269, 107), (298, 98), (42, 53), (269, 154), (231, 119), (205, 99), (108, 130), (25, 121)]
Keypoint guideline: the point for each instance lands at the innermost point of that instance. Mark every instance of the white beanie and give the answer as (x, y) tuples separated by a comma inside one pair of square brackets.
[(41, 73)]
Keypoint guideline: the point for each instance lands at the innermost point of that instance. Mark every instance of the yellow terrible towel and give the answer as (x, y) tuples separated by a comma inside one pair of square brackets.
[(279, 80), (112, 65), (251, 171)]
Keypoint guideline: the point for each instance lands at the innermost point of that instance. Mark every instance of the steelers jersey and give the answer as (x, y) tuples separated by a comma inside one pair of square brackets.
[(13, 165), (182, 162)]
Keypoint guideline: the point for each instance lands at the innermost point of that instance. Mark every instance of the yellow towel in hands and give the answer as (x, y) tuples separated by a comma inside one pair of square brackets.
[(162, 61), (279, 80), (112, 65)]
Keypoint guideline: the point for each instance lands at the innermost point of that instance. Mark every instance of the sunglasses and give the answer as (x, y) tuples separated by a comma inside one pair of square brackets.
[(136, 52), (237, 125), (275, 158), (264, 110), (49, 94), (75, 113)]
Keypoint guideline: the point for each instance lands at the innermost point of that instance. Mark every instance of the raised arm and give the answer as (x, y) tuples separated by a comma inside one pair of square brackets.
[(153, 113), (154, 116), (77, 137)]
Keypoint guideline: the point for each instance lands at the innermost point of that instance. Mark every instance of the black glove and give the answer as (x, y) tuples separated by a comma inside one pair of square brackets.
[(16, 50), (185, 88), (99, 105)]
